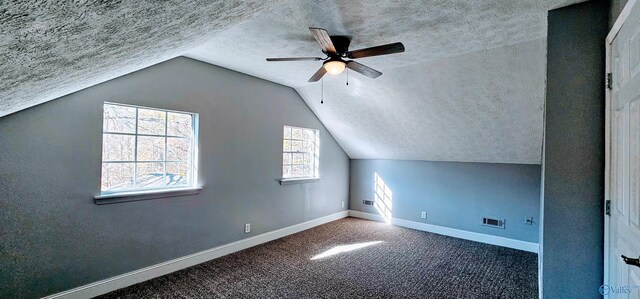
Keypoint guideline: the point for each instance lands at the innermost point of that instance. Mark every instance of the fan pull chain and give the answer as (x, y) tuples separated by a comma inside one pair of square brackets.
[(322, 91), (347, 76)]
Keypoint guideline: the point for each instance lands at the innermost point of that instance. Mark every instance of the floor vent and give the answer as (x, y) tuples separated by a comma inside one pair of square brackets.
[(493, 222), (367, 202)]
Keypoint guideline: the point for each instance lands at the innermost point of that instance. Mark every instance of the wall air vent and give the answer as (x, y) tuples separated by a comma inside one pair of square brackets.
[(367, 202), (493, 222)]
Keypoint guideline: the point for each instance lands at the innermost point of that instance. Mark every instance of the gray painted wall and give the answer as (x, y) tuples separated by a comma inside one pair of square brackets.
[(573, 165), (455, 195), (615, 10), (53, 237)]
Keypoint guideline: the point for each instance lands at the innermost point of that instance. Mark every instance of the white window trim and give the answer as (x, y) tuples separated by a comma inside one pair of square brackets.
[(144, 195), (106, 197), (301, 180)]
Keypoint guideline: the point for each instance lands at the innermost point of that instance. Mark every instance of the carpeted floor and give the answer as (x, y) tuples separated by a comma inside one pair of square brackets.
[(354, 258)]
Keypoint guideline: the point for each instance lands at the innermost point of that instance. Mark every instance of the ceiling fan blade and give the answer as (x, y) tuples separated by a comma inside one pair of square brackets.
[(318, 75), (363, 69), (322, 37), (375, 51), (295, 59)]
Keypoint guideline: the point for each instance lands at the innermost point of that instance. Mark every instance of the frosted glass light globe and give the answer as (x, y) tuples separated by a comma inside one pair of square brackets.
[(334, 67)]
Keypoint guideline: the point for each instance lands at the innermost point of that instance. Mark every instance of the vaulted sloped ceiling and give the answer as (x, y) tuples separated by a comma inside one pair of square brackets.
[(484, 106), (470, 86), (52, 48)]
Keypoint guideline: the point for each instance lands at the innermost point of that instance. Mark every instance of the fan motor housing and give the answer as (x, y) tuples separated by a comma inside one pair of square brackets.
[(341, 43)]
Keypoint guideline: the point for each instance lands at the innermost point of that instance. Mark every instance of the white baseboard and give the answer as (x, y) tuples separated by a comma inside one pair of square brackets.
[(144, 274), (452, 232), (111, 284)]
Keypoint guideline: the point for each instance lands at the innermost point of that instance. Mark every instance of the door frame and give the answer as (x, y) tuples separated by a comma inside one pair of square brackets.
[(624, 14)]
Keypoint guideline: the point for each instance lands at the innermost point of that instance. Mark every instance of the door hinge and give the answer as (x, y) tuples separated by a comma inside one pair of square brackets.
[(607, 208), (609, 81)]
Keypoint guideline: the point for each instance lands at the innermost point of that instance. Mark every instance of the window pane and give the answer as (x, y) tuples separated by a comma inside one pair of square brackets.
[(287, 132), (296, 146), (118, 147), (150, 175), (286, 158), (177, 174), (178, 149), (309, 134), (307, 159), (150, 148), (307, 146), (296, 133), (117, 176), (298, 158), (119, 119), (297, 170), (286, 171), (286, 146), (151, 122), (307, 170), (179, 124)]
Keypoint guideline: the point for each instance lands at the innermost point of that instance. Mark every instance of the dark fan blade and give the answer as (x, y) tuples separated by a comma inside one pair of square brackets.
[(375, 51), (295, 59), (363, 69), (323, 39), (318, 74)]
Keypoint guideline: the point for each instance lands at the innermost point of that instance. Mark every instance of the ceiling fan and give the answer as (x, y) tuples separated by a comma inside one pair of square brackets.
[(336, 48)]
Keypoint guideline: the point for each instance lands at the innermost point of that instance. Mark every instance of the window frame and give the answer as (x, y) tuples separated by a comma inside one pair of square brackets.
[(315, 156), (154, 192)]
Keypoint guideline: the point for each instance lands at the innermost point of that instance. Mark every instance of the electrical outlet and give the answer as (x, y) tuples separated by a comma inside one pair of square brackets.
[(423, 215), (342, 205), (528, 220), (247, 228)]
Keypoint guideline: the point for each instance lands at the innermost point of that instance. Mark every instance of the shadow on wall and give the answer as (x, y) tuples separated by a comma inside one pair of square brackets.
[(383, 198)]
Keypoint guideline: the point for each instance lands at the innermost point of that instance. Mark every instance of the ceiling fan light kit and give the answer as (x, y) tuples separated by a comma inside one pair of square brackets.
[(336, 48), (334, 67)]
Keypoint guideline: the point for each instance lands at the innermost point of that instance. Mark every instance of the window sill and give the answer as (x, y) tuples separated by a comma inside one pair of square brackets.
[(289, 181), (144, 195)]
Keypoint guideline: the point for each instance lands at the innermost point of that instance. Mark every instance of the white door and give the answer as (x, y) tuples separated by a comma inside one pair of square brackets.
[(624, 188)]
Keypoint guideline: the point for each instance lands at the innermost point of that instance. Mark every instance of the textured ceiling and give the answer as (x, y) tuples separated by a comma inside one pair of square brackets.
[(52, 48), (470, 86), (430, 30), (464, 108)]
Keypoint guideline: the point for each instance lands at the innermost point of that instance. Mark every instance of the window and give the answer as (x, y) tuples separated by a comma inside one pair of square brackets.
[(147, 148), (301, 152)]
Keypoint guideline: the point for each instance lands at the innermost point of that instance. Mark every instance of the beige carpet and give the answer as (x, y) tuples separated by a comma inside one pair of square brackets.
[(354, 258)]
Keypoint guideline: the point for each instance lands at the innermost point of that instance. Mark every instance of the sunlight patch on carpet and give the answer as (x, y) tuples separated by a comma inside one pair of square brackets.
[(344, 248)]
